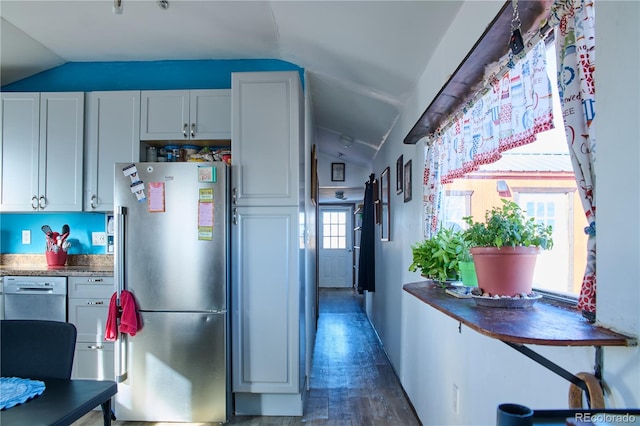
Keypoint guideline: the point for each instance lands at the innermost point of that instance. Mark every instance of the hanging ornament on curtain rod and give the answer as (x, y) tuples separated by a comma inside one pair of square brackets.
[(515, 41)]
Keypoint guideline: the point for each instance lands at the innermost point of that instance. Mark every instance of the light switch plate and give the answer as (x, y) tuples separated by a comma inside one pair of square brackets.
[(99, 238), (26, 236)]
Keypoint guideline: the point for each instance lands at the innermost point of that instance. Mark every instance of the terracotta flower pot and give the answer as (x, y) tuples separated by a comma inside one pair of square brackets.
[(505, 271)]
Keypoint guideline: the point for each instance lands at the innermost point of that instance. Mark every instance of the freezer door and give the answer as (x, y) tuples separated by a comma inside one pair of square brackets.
[(172, 260), (176, 370)]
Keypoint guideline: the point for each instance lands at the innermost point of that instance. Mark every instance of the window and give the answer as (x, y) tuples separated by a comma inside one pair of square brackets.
[(540, 178), (334, 230)]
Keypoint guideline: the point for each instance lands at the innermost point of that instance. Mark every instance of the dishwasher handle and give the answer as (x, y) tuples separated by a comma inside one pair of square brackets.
[(35, 290)]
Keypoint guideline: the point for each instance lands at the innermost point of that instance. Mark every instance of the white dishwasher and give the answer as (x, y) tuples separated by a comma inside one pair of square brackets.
[(30, 297)]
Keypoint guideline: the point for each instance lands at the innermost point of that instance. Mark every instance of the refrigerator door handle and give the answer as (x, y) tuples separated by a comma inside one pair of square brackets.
[(121, 358), (118, 274), (118, 241)]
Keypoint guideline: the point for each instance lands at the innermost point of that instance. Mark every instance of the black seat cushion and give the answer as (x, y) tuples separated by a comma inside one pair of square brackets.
[(36, 349)]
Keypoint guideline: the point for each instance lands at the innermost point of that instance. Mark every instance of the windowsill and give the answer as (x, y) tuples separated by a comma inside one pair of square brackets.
[(548, 322)]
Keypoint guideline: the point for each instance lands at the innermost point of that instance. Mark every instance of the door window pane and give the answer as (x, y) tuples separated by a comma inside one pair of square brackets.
[(334, 230)]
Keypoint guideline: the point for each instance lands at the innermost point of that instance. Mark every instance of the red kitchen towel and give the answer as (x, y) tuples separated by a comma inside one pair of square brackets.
[(128, 319), (111, 329)]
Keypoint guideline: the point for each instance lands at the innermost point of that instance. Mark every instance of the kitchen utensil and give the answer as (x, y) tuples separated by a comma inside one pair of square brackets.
[(46, 229), (65, 233)]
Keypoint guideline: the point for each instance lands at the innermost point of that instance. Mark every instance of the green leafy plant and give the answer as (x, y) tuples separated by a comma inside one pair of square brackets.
[(438, 257), (508, 226)]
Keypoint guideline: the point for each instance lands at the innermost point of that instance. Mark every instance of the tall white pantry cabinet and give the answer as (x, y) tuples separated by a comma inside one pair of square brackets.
[(267, 267)]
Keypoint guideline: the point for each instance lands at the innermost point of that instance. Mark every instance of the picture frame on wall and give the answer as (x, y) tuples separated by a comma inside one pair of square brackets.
[(407, 181), (385, 205), (399, 177), (337, 172), (314, 176)]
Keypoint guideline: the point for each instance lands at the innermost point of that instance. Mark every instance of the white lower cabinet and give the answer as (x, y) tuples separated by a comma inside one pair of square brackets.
[(88, 309), (267, 371)]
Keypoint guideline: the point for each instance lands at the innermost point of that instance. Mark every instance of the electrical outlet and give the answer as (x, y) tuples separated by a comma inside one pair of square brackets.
[(26, 236), (456, 398), (99, 238)]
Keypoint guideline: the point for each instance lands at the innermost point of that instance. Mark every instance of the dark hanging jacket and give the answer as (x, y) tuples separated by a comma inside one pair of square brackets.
[(366, 261)]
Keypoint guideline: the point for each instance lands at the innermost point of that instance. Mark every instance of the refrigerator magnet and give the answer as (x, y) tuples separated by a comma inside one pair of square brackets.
[(156, 197), (206, 194), (131, 171), (205, 220), (205, 214), (205, 233), (207, 174), (138, 189)]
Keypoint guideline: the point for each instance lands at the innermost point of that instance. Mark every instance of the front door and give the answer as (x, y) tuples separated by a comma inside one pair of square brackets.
[(336, 246)]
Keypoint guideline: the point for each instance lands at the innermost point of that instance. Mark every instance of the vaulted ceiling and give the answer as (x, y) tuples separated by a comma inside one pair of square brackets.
[(363, 58)]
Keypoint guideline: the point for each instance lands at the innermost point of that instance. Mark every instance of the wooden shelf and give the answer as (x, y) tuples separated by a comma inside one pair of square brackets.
[(548, 322)]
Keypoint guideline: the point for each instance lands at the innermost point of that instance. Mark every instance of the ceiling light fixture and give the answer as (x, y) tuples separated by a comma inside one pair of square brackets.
[(345, 140), (117, 7)]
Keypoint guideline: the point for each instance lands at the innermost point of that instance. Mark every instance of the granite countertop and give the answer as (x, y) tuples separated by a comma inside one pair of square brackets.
[(36, 265)]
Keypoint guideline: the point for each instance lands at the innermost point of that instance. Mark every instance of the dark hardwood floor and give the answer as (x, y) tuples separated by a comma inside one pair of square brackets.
[(352, 382)]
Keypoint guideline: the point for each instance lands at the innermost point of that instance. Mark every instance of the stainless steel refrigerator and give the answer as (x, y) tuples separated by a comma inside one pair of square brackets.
[(172, 254)]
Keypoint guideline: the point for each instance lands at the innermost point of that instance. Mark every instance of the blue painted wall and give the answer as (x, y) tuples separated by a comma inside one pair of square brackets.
[(81, 224), (104, 76)]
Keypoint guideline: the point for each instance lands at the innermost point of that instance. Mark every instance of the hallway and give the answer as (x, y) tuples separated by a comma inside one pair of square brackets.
[(352, 381)]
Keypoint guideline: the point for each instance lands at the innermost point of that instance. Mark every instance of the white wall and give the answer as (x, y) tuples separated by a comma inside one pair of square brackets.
[(424, 346)]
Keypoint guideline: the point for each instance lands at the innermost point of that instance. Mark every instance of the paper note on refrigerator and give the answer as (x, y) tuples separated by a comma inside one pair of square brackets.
[(156, 197)]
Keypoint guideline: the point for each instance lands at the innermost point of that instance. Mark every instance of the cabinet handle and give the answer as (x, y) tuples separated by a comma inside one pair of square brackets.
[(97, 347), (184, 130), (95, 303), (93, 201), (193, 129), (42, 202), (34, 202), (95, 280), (235, 216)]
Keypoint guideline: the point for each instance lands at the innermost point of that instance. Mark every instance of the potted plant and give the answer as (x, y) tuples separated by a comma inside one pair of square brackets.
[(466, 267), (438, 257), (505, 247)]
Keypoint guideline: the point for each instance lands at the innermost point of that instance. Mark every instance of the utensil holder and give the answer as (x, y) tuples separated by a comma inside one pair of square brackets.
[(56, 259)]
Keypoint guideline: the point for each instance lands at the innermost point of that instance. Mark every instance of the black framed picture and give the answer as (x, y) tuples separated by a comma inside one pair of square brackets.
[(385, 206), (337, 172), (407, 181), (399, 178)]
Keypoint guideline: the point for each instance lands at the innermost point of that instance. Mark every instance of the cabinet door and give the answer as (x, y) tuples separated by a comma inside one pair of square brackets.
[(61, 151), (164, 115), (266, 138), (90, 318), (19, 151), (265, 295), (112, 136), (210, 112), (93, 361)]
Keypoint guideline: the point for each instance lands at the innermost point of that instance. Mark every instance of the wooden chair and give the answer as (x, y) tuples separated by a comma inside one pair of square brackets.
[(37, 349)]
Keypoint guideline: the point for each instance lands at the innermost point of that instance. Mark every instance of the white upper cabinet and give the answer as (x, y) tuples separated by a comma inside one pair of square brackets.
[(186, 115), (41, 151), (267, 138), (112, 136)]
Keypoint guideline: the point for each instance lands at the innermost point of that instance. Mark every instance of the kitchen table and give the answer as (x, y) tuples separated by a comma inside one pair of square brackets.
[(62, 403)]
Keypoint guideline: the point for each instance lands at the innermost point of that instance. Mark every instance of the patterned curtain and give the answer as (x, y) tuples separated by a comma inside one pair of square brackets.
[(514, 107), (432, 190), (574, 23)]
